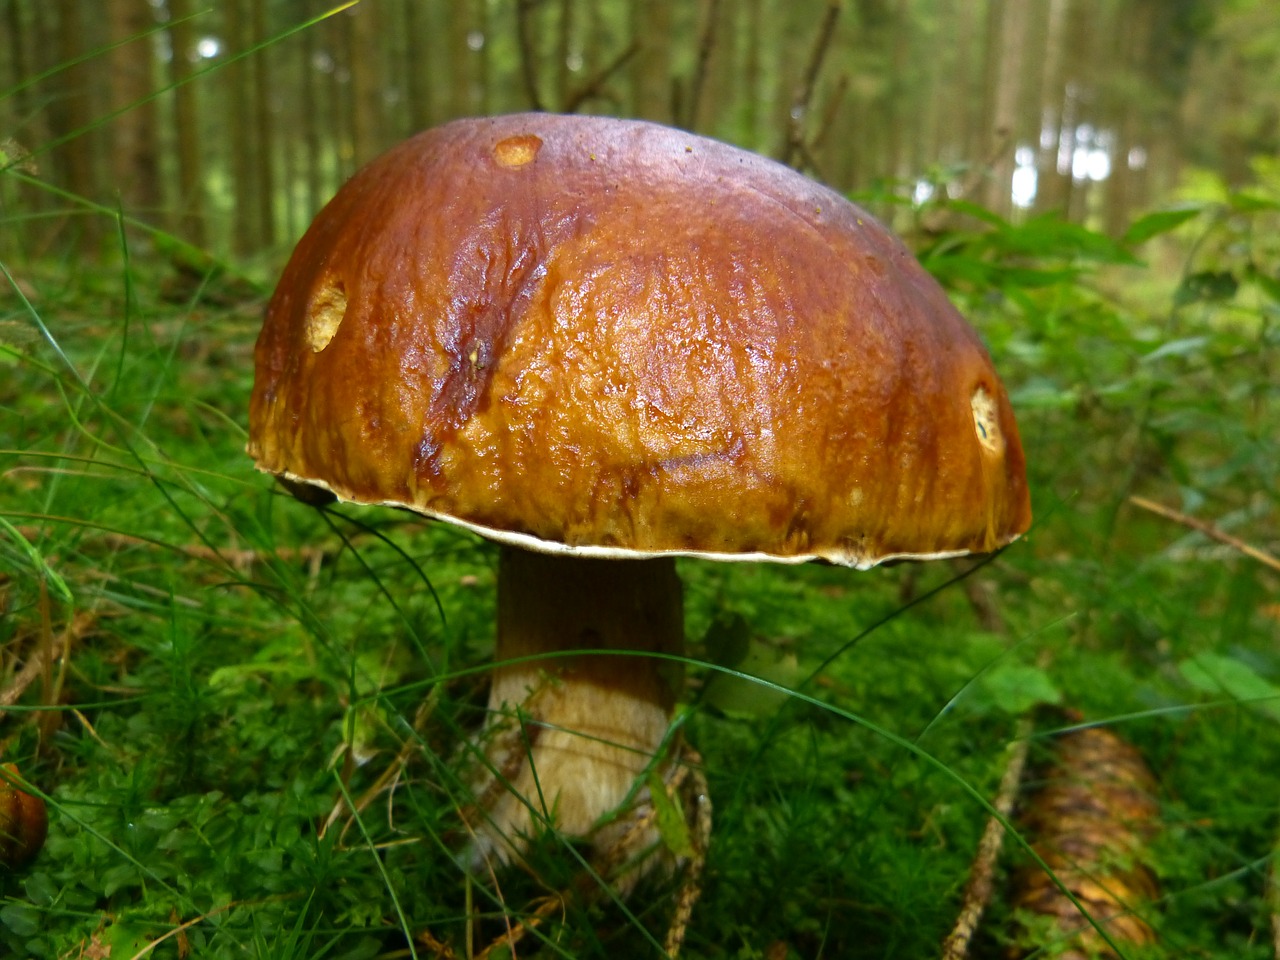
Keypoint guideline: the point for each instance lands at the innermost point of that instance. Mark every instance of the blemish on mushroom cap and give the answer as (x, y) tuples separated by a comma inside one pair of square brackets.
[(517, 151), (986, 421), (325, 313)]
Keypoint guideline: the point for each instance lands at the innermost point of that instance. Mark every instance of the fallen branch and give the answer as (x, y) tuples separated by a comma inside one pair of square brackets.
[(241, 559), (1208, 529), (981, 882), (42, 662)]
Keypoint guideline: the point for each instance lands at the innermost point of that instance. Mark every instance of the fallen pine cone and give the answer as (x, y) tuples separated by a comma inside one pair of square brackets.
[(1091, 822), (23, 822)]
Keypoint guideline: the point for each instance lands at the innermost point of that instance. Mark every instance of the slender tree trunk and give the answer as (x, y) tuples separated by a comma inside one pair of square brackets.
[(246, 192), (341, 123), (483, 57), (753, 88), (651, 24), (564, 50), (311, 90), (965, 96), (1009, 76), (135, 171), (1052, 180), (364, 59), (418, 74), (265, 128), (189, 223), (75, 113), (461, 62)]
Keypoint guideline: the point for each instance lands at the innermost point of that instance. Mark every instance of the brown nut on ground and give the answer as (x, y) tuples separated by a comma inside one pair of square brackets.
[(23, 822), (604, 343)]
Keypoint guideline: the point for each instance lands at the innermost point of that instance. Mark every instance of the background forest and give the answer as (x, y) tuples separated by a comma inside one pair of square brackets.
[(242, 714)]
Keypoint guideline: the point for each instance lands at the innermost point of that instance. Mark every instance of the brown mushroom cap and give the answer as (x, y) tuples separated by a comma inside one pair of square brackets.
[(613, 338)]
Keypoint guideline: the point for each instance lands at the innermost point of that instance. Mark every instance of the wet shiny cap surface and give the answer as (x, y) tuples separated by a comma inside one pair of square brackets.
[(613, 338)]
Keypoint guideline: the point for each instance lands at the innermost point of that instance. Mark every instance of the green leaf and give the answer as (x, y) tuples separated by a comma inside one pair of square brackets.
[(21, 918), (976, 211), (744, 699), (727, 640), (46, 572), (1176, 348), (1252, 203), (1154, 224), (1206, 286), (1015, 688), (1216, 674), (1270, 284), (673, 827)]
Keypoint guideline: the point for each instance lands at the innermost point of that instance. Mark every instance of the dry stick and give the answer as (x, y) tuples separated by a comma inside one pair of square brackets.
[(834, 100), (977, 890), (241, 559), (795, 144), (1208, 529), (691, 887), (36, 666)]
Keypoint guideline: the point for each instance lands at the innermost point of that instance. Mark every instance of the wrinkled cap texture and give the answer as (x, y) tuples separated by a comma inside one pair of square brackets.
[(613, 338)]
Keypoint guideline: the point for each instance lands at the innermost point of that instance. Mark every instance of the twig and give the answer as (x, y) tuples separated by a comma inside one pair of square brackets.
[(182, 928), (795, 144), (691, 886), (977, 890), (1208, 529), (240, 559), (35, 667), (594, 83), (828, 122)]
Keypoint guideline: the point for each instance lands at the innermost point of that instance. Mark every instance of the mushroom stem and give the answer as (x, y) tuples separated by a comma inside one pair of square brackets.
[(569, 735)]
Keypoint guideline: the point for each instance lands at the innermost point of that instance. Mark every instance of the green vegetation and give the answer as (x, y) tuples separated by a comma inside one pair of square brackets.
[(204, 678), (230, 667)]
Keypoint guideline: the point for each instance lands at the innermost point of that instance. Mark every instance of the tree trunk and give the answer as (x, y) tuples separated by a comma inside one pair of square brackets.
[(135, 170), (364, 59), (420, 59), (75, 113), (1053, 168), (189, 223), (651, 23), (245, 191), (1005, 98), (461, 65), (265, 128)]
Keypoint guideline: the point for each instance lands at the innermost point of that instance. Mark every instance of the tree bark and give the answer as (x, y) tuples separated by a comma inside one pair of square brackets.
[(135, 170), (364, 59), (75, 113), (1008, 76), (651, 23), (189, 222)]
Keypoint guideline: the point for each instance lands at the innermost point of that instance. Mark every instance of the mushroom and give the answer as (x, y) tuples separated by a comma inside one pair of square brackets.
[(605, 344)]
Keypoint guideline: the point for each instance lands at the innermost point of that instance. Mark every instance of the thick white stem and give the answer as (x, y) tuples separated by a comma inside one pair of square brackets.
[(570, 734)]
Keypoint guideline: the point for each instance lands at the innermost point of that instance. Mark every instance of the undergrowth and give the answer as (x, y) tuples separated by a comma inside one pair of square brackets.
[(248, 730)]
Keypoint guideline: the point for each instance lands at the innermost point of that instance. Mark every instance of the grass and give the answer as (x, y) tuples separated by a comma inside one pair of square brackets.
[(234, 670)]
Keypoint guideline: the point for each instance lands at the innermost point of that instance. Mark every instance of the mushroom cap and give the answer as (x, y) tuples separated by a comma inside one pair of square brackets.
[(617, 339)]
